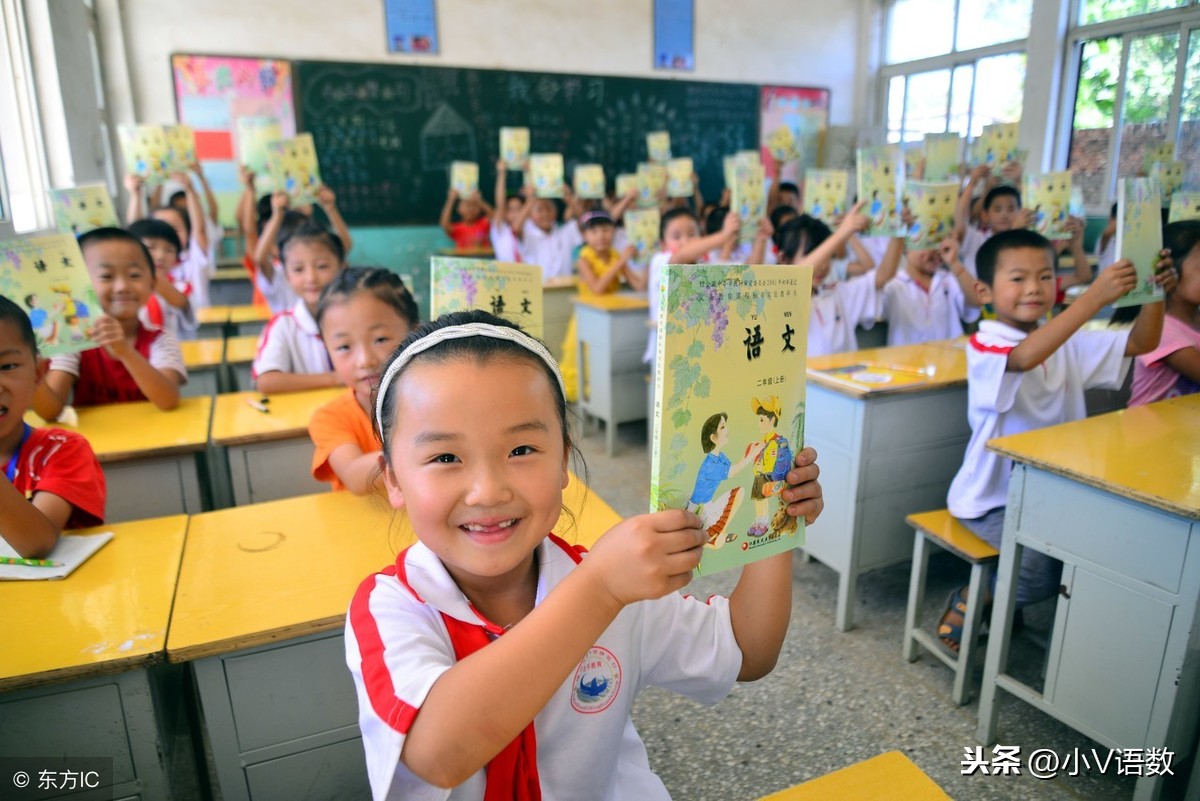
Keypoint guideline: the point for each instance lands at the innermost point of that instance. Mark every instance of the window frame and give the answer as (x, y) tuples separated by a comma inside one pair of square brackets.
[(18, 98)]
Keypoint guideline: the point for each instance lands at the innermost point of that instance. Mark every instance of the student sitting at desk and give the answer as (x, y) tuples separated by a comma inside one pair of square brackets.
[(54, 469), (130, 362), (364, 314), (925, 301), (1022, 375), (170, 307)]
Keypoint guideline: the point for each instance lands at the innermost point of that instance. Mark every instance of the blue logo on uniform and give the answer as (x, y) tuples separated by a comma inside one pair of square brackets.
[(597, 681)]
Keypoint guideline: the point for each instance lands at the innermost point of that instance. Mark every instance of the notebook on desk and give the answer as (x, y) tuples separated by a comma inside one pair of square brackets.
[(871, 374), (71, 551)]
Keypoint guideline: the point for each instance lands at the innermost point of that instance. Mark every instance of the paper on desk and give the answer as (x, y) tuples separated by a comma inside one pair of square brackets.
[(72, 550)]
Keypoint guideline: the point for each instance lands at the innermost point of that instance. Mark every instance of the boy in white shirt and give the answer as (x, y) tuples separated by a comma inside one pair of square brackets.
[(925, 302), (1022, 375), (547, 242)]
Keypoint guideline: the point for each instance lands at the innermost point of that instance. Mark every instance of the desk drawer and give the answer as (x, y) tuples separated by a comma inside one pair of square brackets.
[(333, 772)]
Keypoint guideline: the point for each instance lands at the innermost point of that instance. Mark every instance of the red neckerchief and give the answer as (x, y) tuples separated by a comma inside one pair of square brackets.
[(154, 311), (512, 773)]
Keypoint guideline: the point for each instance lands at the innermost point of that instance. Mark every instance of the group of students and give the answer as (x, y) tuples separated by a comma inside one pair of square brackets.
[(462, 423)]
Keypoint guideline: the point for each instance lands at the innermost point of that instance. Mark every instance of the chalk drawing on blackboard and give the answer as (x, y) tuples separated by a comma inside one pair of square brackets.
[(446, 137)]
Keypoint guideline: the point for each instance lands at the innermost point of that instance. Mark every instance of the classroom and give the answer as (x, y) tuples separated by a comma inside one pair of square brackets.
[(231, 628)]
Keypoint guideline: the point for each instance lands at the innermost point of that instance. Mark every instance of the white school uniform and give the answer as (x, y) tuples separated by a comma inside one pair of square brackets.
[(973, 240), (551, 250), (1106, 256), (277, 292), (837, 310), (916, 315), (1001, 402), (291, 343), (397, 646), (216, 233), (505, 244), (193, 273), (180, 323)]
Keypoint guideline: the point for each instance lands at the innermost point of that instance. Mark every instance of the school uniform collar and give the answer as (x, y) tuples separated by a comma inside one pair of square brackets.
[(1003, 331), (304, 319)]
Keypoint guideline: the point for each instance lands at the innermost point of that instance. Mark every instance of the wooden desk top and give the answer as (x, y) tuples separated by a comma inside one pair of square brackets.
[(1148, 453), (212, 315), (231, 274), (199, 354), (272, 571), (241, 350), (249, 314), (236, 422), (123, 432), (887, 777), (558, 283), (904, 368), (621, 301), (108, 616)]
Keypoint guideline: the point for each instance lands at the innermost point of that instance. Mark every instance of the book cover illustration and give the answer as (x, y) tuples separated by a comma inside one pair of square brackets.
[(729, 396), (514, 147), (996, 145), (781, 144), (589, 181), (729, 164), (880, 178), (749, 198), (1048, 196), (293, 166), (79, 209), (626, 182), (181, 148), (546, 174), (511, 291), (652, 183), (825, 194), (1184, 206), (146, 152), (932, 208), (253, 135), (1163, 151), (914, 162), (464, 177), (679, 177), (1139, 236), (641, 228), (1169, 175), (47, 277), (943, 157), (658, 147)]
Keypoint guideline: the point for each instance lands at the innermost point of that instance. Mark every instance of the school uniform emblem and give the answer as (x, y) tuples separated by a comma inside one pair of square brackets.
[(597, 681)]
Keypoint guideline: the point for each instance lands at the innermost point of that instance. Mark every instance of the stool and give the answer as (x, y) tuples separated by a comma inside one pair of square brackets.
[(942, 529), (887, 777)]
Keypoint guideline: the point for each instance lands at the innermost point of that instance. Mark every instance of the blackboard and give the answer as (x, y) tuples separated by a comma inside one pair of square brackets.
[(386, 133)]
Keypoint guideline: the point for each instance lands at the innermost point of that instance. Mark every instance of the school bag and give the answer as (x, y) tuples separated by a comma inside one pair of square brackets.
[(783, 459)]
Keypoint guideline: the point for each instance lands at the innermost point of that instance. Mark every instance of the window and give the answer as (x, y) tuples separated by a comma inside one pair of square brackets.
[(22, 164), (961, 99), (920, 29)]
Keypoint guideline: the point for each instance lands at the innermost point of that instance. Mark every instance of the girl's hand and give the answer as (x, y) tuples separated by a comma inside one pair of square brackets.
[(1025, 219), (182, 177), (803, 495), (1075, 226), (765, 229), (501, 166), (1164, 272), (195, 166), (855, 221), (948, 250), (631, 194), (326, 197), (647, 556), (1115, 281), (279, 203), (108, 334), (451, 195), (731, 225), (980, 173), (247, 176), (134, 183)]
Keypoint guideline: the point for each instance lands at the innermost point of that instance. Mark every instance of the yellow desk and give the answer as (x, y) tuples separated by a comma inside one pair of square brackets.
[(231, 286), (100, 630), (261, 608), (1117, 499), (152, 459), (203, 359), (248, 319), (268, 455), (887, 449), (611, 336), (212, 321), (887, 777), (239, 356)]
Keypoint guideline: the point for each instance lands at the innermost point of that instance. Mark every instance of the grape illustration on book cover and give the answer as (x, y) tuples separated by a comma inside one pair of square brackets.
[(146, 152), (294, 169), (641, 227), (658, 147), (652, 183), (880, 178), (253, 135), (679, 177), (546, 174), (729, 404), (47, 277), (464, 177), (749, 198), (825, 194), (932, 208), (511, 291), (589, 181), (1184, 206), (514, 147), (181, 147), (943, 157), (1048, 196), (79, 209), (1139, 236)]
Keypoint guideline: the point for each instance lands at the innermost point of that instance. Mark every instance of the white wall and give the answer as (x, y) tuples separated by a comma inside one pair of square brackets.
[(790, 42)]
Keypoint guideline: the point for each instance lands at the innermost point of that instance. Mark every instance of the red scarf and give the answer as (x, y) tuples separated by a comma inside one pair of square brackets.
[(512, 773)]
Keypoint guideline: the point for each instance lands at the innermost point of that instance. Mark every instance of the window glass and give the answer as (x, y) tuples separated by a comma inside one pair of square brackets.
[(1104, 10), (1149, 84), (920, 29), (988, 22)]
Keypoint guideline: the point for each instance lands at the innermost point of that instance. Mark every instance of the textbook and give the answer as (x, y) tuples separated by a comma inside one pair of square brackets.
[(1048, 196), (1184, 206), (1163, 151), (749, 198), (932, 208), (641, 228), (546, 174), (880, 178), (781, 144), (71, 551), (511, 291), (729, 404), (679, 177), (1139, 236), (146, 152), (652, 183), (253, 134), (996, 145), (589, 181), (943, 157), (1169, 175), (181, 148), (514, 147), (47, 277), (464, 177), (625, 182), (658, 147), (914, 162), (729, 163), (825, 194), (293, 166), (79, 209)]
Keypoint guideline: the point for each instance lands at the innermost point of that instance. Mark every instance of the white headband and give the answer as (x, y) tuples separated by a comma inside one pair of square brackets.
[(461, 332)]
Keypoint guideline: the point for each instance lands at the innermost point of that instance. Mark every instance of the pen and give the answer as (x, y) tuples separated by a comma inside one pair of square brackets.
[(16, 560), (253, 404)]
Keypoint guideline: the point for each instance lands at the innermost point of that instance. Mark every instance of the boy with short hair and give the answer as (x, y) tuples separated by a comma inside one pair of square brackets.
[(925, 301), (1022, 375), (1000, 211), (51, 479)]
